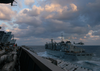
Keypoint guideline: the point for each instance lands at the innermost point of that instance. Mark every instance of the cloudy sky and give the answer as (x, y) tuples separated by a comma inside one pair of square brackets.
[(35, 22)]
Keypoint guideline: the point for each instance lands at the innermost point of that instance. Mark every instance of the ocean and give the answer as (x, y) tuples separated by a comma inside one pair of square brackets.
[(93, 64)]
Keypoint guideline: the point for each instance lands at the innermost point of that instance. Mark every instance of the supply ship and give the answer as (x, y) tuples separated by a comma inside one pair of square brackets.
[(67, 50), (20, 58)]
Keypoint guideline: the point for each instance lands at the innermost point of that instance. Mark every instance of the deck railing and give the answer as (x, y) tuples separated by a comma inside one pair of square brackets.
[(29, 61)]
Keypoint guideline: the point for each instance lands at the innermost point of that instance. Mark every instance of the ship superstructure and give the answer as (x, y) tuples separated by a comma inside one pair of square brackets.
[(80, 43), (8, 51), (66, 49), (7, 37)]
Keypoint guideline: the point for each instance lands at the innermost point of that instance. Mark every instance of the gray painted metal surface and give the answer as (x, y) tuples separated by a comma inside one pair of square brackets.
[(29, 61)]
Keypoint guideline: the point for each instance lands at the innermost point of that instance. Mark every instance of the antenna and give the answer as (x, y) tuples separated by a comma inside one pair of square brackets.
[(61, 36)]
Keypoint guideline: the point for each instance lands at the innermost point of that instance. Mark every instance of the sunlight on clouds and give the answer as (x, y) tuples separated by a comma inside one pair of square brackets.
[(90, 34), (2, 16), (28, 2), (7, 30), (6, 13), (72, 37), (59, 37), (89, 26), (15, 30), (84, 36), (30, 12), (16, 38), (22, 12), (55, 7), (52, 7), (93, 36), (4, 26), (43, 19), (38, 9), (83, 40), (74, 7), (49, 16)]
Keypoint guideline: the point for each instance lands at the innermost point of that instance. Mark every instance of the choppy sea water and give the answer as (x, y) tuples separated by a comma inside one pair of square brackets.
[(93, 64)]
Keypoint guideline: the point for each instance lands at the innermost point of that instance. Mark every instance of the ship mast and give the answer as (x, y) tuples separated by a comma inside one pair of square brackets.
[(61, 36), (13, 36)]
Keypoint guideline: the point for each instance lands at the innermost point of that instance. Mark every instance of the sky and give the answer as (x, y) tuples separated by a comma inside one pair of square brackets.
[(35, 22)]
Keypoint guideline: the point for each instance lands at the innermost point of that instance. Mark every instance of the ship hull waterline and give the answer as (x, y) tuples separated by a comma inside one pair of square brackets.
[(70, 56)]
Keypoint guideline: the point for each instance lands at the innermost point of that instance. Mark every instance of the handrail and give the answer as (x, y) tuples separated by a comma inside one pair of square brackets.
[(39, 62)]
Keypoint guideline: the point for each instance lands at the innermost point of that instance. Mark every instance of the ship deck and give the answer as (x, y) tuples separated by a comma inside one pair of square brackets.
[(26, 60)]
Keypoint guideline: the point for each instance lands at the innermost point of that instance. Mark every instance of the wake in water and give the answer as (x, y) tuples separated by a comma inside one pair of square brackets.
[(93, 64), (45, 54)]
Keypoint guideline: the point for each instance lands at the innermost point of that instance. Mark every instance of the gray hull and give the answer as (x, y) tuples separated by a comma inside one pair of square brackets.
[(70, 56)]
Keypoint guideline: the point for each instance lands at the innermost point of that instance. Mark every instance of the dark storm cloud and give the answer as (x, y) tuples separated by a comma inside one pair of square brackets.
[(23, 26), (67, 15), (89, 9), (30, 12), (52, 29), (28, 32), (31, 41), (91, 12), (30, 21), (29, 17), (56, 26), (73, 20)]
